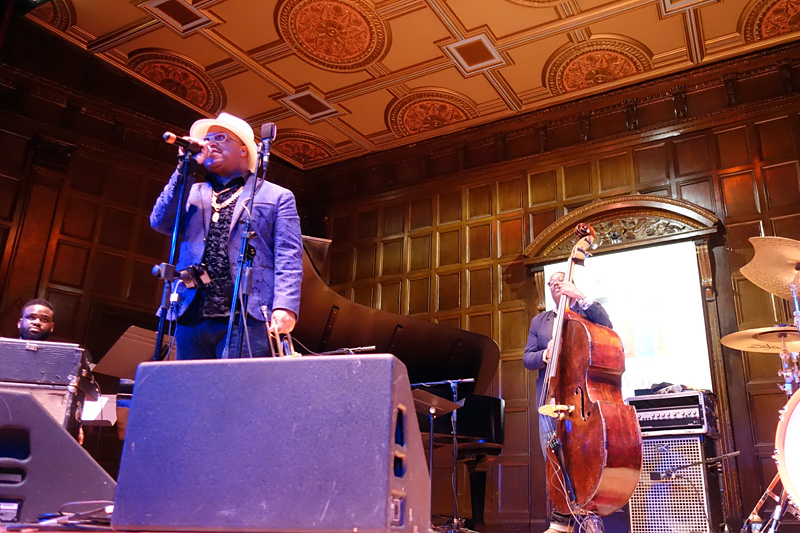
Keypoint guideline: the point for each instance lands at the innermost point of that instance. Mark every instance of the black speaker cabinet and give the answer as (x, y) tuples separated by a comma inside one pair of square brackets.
[(64, 403), (311, 444), (683, 499), (42, 467)]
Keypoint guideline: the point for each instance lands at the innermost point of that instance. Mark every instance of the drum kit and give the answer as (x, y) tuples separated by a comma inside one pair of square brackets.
[(775, 267)]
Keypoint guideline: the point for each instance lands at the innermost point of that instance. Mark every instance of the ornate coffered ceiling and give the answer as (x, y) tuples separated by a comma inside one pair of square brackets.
[(343, 78)]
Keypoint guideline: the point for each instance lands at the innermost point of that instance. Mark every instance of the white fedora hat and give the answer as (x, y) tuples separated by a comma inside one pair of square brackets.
[(235, 125)]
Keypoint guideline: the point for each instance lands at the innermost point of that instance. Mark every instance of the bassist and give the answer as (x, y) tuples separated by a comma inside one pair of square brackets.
[(537, 353)]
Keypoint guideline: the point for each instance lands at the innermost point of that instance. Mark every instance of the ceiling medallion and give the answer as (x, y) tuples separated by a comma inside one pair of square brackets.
[(770, 18), (57, 14), (302, 148), (180, 77), (428, 110), (333, 34), (595, 62)]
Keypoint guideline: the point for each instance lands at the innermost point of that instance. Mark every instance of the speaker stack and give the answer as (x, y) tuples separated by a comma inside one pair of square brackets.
[(42, 467), (676, 491)]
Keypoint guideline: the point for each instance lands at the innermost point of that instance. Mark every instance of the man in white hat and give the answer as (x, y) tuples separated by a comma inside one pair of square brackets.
[(220, 186)]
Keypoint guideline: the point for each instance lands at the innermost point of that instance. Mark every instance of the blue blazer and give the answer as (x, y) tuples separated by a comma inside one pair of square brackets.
[(278, 262)]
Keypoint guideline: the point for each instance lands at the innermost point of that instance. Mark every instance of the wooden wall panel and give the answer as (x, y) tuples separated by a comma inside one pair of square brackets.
[(449, 207), (9, 191), (732, 147), (510, 240), (739, 195), (691, 155), (391, 257), (367, 224), (651, 164), (782, 185), (480, 286), (479, 242), (786, 226), (449, 291), (775, 139), (479, 202), (419, 296), (482, 220), (614, 173), (542, 187), (577, 181), (699, 192), (419, 253), (450, 247)]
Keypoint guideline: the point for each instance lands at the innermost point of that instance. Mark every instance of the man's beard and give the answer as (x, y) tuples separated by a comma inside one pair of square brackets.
[(28, 335)]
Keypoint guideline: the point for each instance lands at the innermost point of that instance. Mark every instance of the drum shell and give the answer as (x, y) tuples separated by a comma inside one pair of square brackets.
[(787, 447)]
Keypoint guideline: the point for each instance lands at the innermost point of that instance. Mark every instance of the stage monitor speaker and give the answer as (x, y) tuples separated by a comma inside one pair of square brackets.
[(42, 467), (684, 499), (64, 403), (311, 444)]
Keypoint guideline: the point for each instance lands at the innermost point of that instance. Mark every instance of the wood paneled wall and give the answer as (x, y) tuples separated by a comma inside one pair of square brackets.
[(449, 250), (435, 231)]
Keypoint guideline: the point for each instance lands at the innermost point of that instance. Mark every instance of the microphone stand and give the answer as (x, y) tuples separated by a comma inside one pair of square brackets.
[(453, 383), (669, 473), (243, 282), (166, 271)]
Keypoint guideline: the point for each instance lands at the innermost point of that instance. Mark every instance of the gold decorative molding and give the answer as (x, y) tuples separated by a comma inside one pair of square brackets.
[(594, 62), (763, 19), (58, 14), (179, 76), (427, 110), (623, 222), (337, 35)]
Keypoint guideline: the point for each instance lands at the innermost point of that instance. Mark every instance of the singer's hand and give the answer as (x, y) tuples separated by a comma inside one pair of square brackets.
[(283, 321), (199, 156)]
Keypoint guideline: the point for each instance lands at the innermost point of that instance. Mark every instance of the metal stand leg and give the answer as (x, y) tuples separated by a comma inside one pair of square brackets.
[(591, 524), (753, 524)]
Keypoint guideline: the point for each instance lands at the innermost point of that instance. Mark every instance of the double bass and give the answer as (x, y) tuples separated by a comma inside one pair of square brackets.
[(594, 452)]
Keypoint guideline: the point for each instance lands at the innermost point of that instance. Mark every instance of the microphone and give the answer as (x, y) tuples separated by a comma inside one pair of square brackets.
[(268, 133), (189, 146), (669, 473)]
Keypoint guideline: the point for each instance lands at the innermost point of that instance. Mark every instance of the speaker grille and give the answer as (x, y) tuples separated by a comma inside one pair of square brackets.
[(678, 504)]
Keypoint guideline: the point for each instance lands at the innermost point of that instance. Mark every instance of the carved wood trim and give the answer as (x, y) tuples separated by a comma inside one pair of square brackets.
[(730, 472), (623, 222)]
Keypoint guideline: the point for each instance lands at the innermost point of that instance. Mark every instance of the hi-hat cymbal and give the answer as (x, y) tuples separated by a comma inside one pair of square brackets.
[(764, 340), (774, 264)]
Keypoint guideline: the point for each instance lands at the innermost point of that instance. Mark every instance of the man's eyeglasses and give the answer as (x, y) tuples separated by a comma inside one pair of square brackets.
[(217, 137), (552, 284)]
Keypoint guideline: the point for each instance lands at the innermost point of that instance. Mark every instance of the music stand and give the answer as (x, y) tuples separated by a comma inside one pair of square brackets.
[(434, 406), (135, 346)]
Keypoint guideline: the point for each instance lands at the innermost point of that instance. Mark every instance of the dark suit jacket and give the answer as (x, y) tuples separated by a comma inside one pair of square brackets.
[(278, 263), (541, 331)]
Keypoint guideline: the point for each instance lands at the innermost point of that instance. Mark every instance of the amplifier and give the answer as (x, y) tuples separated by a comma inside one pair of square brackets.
[(55, 373), (680, 413), (54, 363), (64, 403)]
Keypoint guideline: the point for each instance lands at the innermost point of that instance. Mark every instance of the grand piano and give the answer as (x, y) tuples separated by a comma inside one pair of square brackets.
[(431, 352)]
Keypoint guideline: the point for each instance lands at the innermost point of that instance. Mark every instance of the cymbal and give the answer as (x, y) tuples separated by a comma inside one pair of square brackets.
[(764, 340), (774, 264)]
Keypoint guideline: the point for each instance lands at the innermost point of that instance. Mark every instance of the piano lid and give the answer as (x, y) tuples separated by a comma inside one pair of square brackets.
[(430, 351)]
